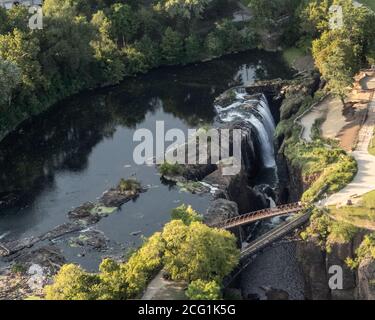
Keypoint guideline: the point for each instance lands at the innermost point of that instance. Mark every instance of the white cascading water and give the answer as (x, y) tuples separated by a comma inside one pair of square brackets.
[(268, 155), (258, 115)]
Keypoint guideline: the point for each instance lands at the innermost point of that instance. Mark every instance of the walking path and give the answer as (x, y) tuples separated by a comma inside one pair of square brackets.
[(308, 120), (364, 181)]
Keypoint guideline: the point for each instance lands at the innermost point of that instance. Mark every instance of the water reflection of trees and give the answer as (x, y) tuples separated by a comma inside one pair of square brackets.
[(63, 138)]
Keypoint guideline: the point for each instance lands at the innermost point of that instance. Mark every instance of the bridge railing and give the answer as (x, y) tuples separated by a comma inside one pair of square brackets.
[(258, 215)]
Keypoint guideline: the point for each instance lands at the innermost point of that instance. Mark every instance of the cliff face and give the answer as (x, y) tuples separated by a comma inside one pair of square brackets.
[(366, 280), (316, 264), (291, 186)]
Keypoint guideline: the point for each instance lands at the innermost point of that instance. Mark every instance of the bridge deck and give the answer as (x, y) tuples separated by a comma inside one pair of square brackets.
[(264, 241), (260, 215)]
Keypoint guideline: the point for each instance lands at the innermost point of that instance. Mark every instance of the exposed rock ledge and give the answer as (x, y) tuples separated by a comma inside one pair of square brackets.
[(315, 262)]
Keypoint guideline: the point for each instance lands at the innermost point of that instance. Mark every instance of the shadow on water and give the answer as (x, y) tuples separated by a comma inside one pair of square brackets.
[(82, 146)]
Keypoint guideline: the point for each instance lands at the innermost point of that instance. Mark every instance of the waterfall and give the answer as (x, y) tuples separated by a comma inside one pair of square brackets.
[(255, 110), (265, 111), (268, 155)]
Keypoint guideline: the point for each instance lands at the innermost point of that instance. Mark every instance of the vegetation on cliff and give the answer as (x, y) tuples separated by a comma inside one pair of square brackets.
[(366, 250), (187, 250), (325, 168), (325, 231)]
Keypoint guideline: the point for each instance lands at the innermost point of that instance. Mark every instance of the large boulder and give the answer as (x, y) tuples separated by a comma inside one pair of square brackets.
[(219, 210)]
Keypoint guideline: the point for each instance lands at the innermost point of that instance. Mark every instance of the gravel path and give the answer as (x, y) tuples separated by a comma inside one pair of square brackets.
[(276, 267)]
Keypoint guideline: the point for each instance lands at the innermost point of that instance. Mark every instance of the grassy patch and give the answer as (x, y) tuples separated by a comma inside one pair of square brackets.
[(292, 54), (361, 215), (323, 169), (326, 232), (371, 147)]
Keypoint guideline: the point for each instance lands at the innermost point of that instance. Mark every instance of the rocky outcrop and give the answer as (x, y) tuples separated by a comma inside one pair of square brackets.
[(219, 210), (316, 263), (366, 280), (312, 260), (29, 273)]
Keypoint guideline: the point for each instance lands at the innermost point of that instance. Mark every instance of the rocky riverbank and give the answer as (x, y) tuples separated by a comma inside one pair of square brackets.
[(29, 264)]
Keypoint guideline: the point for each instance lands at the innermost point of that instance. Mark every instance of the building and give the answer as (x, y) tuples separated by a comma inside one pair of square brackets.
[(7, 4)]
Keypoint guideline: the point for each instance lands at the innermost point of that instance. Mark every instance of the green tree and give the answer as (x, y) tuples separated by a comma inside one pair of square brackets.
[(71, 283), (22, 50), (186, 214), (203, 290), (124, 22), (109, 59), (150, 51), (214, 44), (335, 60), (172, 46), (183, 8), (198, 252), (18, 18), (315, 17), (193, 48), (10, 78), (135, 60)]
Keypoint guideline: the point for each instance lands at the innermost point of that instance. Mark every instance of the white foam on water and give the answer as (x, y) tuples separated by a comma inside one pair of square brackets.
[(260, 117)]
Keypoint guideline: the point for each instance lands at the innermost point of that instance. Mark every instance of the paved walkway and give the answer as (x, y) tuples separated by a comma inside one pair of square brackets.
[(331, 109), (161, 289), (364, 181), (307, 122)]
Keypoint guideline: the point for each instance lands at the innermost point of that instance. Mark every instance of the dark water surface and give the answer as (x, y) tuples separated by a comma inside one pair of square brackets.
[(83, 146)]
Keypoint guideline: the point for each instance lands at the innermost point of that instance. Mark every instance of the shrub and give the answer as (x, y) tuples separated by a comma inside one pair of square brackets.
[(129, 185), (203, 290), (365, 251), (169, 169)]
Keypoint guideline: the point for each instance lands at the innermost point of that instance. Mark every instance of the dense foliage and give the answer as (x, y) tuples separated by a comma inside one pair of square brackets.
[(340, 52), (203, 290), (326, 232), (191, 252), (85, 44)]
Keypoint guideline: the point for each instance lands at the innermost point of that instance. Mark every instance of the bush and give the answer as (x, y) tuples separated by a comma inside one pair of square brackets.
[(129, 185), (365, 251), (203, 290), (169, 169)]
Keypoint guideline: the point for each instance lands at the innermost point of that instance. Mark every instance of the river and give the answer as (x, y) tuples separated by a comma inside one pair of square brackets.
[(82, 146)]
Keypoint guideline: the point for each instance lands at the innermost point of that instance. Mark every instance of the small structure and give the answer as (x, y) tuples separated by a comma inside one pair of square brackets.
[(8, 4)]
